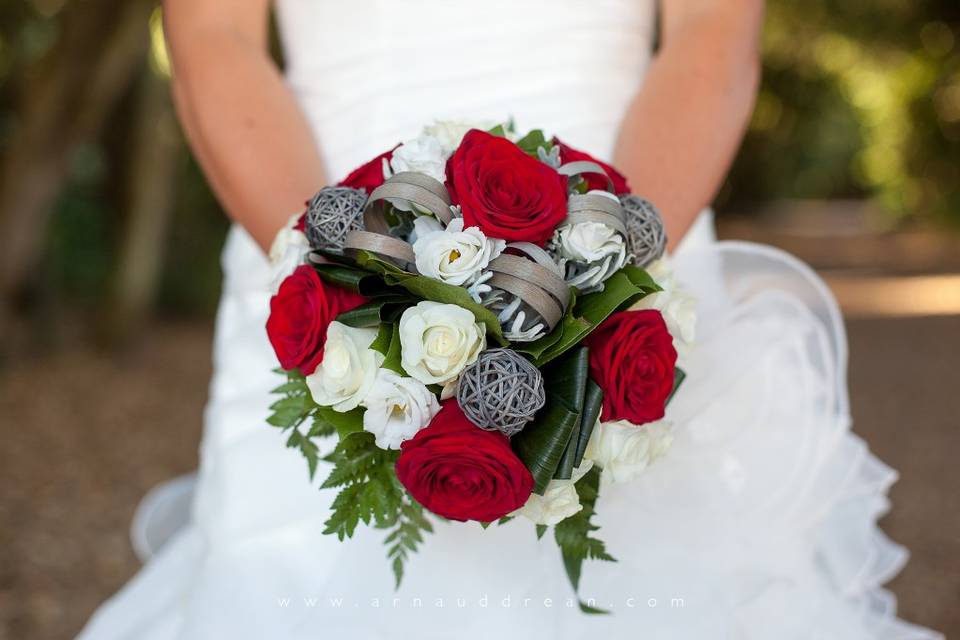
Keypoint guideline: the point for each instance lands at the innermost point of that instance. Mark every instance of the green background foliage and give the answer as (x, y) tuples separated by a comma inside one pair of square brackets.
[(859, 100)]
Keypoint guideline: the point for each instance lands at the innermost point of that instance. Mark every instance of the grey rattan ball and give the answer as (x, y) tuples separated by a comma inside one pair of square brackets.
[(331, 214), (501, 391), (646, 237)]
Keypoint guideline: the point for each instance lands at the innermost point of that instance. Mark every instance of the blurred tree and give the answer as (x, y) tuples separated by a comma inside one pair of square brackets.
[(859, 99), (64, 95)]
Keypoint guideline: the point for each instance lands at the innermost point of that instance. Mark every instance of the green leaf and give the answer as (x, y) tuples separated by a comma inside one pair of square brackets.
[(592, 406), (574, 535), (381, 344), (575, 383), (541, 444), (384, 308), (541, 529), (430, 289), (392, 361), (679, 375), (346, 423), (533, 141), (500, 131)]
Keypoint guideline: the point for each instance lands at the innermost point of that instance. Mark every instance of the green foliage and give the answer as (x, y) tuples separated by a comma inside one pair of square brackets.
[(291, 411), (362, 473), (369, 492), (533, 141), (541, 444), (574, 535)]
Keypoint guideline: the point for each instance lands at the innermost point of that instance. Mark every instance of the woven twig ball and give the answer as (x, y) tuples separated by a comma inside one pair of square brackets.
[(501, 391), (646, 237), (331, 214)]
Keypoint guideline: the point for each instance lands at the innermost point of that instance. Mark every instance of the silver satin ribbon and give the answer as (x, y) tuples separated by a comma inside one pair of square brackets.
[(593, 207), (533, 273), (416, 188), (579, 167), (382, 245), (537, 298)]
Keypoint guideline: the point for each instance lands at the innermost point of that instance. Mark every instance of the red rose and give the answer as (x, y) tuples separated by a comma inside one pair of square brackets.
[(459, 471), (299, 316), (569, 154), (369, 176), (633, 360), (301, 224), (505, 192)]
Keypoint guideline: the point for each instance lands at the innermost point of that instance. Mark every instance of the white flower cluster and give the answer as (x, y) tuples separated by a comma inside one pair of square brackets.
[(624, 450), (437, 342)]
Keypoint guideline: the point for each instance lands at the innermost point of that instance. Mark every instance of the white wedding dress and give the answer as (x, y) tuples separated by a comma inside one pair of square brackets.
[(759, 523)]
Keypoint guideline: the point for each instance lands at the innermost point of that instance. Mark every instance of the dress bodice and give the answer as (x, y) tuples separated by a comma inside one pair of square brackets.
[(371, 73)]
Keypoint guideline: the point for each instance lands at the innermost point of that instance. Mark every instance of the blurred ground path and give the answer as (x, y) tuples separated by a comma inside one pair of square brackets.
[(86, 435)]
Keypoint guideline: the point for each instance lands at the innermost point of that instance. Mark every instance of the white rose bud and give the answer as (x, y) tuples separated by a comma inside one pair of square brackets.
[(348, 369), (559, 501), (590, 242), (437, 341), (422, 155), (455, 255), (450, 133), (287, 252), (397, 407), (624, 450), (678, 307)]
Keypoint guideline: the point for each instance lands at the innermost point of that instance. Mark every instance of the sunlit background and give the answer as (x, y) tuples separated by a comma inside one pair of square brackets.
[(109, 273)]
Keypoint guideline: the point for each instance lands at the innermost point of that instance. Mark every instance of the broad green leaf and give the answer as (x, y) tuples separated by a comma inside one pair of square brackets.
[(346, 423), (533, 141), (592, 405), (574, 381), (679, 375), (541, 444)]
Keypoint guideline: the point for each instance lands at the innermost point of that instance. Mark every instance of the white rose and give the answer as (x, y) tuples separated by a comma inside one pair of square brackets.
[(623, 450), (590, 242), (397, 407), (678, 307), (559, 501), (347, 371), (450, 133), (287, 252), (437, 341), (422, 155), (455, 255)]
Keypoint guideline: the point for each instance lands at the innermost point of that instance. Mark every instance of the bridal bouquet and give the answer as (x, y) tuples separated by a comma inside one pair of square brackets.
[(487, 325)]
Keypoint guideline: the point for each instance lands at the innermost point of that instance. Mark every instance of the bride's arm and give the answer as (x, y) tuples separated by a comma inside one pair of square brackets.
[(682, 131), (244, 125)]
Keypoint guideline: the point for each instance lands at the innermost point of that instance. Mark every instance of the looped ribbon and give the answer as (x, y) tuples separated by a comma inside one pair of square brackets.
[(593, 207), (579, 167), (418, 189), (530, 279), (394, 249)]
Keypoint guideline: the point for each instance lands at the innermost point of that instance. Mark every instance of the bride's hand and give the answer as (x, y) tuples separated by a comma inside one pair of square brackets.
[(683, 129), (244, 125)]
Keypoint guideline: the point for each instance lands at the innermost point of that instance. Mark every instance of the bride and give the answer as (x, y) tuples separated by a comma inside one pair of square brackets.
[(761, 520)]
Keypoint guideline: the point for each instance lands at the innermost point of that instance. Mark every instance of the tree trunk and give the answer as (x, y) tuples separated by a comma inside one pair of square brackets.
[(149, 198), (65, 99)]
